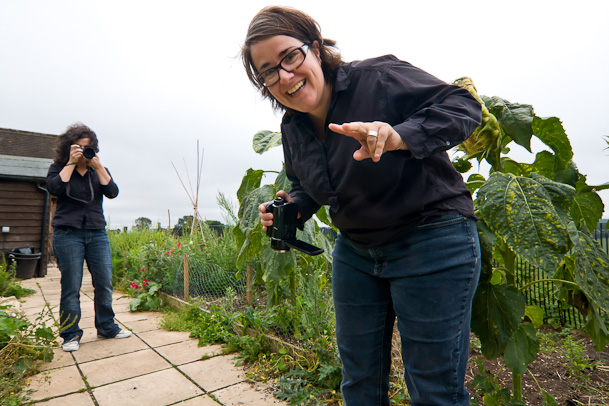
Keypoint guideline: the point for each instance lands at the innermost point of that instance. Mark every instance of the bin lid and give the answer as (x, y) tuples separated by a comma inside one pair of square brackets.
[(17, 256), (22, 250)]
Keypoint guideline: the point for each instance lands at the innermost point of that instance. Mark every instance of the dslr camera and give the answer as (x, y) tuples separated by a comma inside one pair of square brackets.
[(88, 152), (283, 230)]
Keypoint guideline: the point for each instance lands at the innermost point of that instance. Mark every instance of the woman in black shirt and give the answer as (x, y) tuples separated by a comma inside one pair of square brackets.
[(80, 181), (369, 139)]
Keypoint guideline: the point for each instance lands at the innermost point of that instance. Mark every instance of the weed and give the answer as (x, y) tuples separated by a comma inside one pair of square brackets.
[(22, 343)]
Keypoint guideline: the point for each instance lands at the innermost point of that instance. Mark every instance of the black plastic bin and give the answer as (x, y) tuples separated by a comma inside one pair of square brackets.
[(26, 259)]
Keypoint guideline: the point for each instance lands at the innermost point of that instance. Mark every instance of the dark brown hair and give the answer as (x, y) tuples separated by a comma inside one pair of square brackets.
[(276, 20), (72, 134)]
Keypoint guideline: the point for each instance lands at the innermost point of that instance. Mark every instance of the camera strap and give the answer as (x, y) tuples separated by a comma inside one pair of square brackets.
[(68, 190)]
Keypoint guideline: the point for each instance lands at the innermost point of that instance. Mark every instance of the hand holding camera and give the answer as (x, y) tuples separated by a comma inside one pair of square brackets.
[(283, 228)]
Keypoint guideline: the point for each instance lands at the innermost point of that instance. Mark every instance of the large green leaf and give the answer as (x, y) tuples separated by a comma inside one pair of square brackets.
[(265, 140), (282, 182), (250, 230), (250, 181), (597, 329), (497, 312), (561, 195), (515, 119), (276, 265), (474, 182), (522, 348), (522, 212), (587, 207), (551, 132), (591, 267), (323, 214)]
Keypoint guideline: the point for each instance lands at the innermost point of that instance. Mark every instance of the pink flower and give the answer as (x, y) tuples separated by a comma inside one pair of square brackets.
[(145, 282), (134, 285), (172, 251), (143, 269), (179, 244), (167, 252)]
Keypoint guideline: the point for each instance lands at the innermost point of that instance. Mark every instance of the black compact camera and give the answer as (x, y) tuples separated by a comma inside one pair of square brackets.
[(88, 152), (283, 230)]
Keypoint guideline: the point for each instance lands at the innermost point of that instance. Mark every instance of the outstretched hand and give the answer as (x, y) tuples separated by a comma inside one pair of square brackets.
[(375, 138)]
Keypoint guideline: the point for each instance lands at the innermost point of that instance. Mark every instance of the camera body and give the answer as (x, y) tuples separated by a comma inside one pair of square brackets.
[(283, 230), (88, 152)]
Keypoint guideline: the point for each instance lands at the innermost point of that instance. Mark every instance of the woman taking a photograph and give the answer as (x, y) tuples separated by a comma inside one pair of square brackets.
[(369, 139), (80, 182)]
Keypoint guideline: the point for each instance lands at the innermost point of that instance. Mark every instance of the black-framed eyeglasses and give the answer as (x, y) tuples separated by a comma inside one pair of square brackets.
[(288, 63)]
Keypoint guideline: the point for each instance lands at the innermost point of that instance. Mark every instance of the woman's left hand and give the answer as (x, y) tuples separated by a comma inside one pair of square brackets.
[(95, 163), (376, 138)]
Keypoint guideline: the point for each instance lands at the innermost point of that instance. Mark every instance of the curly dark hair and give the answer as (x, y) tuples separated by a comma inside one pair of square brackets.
[(276, 20), (72, 134)]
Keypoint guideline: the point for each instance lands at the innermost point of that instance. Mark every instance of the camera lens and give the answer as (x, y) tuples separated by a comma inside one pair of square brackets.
[(88, 152)]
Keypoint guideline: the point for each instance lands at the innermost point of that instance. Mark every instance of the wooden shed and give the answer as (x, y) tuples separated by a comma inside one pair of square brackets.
[(26, 207)]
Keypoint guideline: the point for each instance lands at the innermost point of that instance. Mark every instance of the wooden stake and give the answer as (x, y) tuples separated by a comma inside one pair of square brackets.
[(248, 288)]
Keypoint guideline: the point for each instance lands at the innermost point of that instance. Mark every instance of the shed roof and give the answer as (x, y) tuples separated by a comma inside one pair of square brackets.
[(24, 168), (27, 143)]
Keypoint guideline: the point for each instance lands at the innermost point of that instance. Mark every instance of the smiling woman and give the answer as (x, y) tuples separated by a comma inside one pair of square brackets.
[(369, 139)]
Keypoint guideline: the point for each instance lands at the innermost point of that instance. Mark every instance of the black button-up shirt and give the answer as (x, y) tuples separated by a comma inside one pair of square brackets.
[(79, 201), (372, 203)]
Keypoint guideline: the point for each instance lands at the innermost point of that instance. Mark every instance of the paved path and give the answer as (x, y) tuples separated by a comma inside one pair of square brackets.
[(152, 367)]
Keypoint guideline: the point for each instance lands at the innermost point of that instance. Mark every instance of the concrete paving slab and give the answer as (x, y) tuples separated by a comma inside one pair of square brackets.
[(60, 359), (121, 307), (158, 338), (89, 335), (118, 298), (56, 382), (121, 367), (37, 302), (156, 389), (108, 347), (76, 399), (187, 351), (214, 373), (203, 400), (246, 394), (86, 322), (126, 317), (141, 326)]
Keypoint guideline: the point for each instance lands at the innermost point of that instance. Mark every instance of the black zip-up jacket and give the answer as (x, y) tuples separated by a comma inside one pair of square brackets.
[(373, 203), (75, 204)]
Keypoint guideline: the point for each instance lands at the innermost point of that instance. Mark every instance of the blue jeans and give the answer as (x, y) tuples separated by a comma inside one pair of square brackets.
[(71, 247), (428, 281)]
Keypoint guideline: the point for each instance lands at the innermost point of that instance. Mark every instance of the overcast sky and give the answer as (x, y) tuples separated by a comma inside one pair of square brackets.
[(153, 77)]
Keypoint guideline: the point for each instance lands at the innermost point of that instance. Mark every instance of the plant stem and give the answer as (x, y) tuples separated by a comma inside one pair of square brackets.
[(548, 280), (517, 386)]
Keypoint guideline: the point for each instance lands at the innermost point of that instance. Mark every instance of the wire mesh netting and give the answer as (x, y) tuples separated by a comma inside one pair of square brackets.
[(206, 282)]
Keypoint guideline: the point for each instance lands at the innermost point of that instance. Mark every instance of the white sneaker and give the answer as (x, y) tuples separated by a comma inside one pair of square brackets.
[(123, 334), (70, 346)]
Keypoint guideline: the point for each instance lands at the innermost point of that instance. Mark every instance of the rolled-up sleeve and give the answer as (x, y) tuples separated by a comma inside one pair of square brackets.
[(111, 189), (437, 115)]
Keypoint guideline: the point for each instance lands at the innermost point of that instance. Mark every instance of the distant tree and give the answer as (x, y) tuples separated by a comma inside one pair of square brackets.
[(142, 223), (215, 225), (183, 226)]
